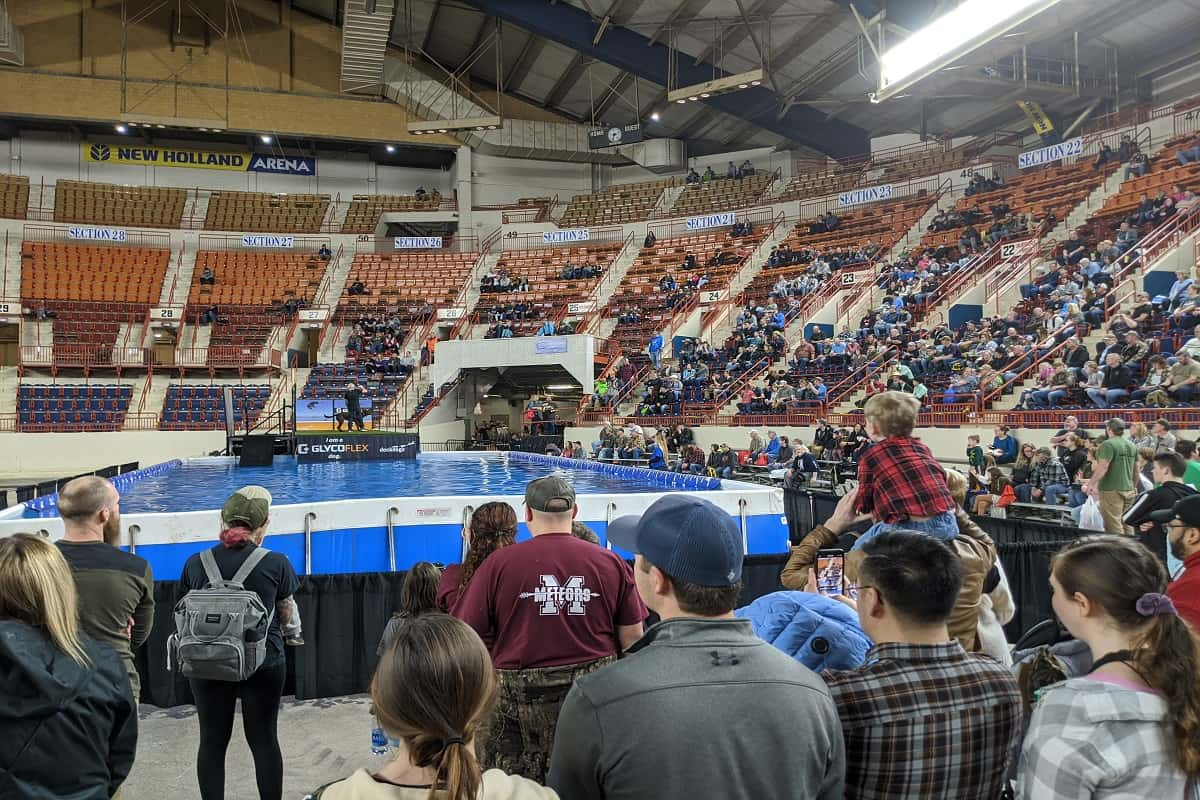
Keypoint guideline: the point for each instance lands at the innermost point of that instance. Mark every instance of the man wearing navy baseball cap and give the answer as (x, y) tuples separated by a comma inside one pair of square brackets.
[(700, 707)]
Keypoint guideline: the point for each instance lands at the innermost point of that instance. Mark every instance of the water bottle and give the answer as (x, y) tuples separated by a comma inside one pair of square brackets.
[(379, 741)]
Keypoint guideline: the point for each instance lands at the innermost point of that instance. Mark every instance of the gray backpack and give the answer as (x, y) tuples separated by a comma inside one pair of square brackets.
[(221, 630)]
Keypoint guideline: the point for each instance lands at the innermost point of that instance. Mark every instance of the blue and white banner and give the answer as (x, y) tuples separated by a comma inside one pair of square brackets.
[(566, 235), (711, 221), (1047, 155), (278, 165), (549, 345), (264, 240), (88, 232), (417, 243), (871, 194)]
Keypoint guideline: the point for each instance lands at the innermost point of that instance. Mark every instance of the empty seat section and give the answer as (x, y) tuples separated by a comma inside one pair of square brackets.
[(721, 194), (250, 291), (90, 290), (111, 204), (809, 185), (72, 407), (260, 211), (627, 202), (14, 196), (363, 213), (202, 408), (406, 285), (549, 294)]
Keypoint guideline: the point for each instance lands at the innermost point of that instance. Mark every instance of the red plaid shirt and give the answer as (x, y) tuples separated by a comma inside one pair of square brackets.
[(899, 479)]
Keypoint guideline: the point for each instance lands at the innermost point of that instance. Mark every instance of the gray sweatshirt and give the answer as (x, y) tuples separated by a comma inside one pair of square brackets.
[(700, 708)]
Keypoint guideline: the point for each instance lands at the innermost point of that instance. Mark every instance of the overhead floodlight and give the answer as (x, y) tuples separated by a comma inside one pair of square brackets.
[(449, 125), (391, 148), (265, 139), (654, 116), (122, 129), (957, 33), (729, 83)]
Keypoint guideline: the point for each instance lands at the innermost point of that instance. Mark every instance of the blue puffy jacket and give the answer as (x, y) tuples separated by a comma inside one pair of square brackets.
[(818, 632)]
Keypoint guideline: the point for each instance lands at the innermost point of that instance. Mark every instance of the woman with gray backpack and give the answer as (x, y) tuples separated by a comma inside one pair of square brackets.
[(229, 640)]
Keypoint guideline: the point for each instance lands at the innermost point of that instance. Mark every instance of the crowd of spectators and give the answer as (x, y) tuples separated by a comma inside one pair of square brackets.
[(732, 172), (377, 342)]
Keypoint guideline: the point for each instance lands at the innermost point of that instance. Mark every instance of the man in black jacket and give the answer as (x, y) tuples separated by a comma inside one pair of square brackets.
[(1115, 384)]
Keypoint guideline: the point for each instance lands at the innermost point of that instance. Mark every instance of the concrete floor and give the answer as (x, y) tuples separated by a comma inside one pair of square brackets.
[(322, 741)]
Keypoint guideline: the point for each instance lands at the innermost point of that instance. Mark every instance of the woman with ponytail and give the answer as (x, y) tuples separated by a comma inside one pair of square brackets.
[(1130, 728), (244, 520), (434, 684), (492, 526)]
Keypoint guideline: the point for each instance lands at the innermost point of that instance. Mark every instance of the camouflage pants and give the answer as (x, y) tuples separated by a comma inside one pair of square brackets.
[(519, 735)]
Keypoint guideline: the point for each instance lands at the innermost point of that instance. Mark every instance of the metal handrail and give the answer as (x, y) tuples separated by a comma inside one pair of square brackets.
[(309, 517), (391, 538)]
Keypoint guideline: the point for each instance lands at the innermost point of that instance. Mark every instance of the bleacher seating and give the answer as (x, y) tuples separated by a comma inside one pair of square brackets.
[(810, 185), (14, 196), (549, 295), (112, 204), (883, 224), (260, 211), (614, 205), (43, 407), (363, 213), (1165, 172), (1035, 193), (640, 286), (250, 290), (54, 271), (721, 194), (401, 284), (202, 408), (328, 381)]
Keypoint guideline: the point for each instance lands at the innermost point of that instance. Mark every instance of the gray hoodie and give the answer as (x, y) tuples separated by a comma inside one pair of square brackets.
[(699, 708)]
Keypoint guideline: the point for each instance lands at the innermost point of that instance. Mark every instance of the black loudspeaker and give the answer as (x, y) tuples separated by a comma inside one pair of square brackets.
[(257, 451)]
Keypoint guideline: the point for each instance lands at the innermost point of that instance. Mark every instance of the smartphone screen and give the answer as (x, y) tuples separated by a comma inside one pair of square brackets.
[(830, 569)]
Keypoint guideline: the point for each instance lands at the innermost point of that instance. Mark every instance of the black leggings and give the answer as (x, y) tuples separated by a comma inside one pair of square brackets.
[(215, 703)]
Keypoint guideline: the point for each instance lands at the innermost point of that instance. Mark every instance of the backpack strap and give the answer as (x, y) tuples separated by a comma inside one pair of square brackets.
[(248, 565), (211, 571)]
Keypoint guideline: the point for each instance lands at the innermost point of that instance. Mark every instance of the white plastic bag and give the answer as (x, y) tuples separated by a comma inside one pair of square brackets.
[(1090, 518)]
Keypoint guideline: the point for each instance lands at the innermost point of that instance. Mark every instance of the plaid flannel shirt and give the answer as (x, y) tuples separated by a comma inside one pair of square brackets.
[(1093, 738), (1048, 474), (926, 721), (899, 479)]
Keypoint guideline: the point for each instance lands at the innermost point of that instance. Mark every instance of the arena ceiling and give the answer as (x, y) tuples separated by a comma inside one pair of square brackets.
[(604, 60)]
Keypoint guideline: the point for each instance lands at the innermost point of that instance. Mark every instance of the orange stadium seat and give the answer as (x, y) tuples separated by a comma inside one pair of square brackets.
[(110, 204), (364, 211), (721, 194), (260, 211), (14, 196), (626, 202)]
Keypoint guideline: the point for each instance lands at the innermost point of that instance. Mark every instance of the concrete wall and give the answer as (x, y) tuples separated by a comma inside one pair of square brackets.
[(64, 454)]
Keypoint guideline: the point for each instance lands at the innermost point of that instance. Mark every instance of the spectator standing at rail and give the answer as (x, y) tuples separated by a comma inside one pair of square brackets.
[(1114, 476), (244, 520), (666, 715), (554, 608), (116, 589)]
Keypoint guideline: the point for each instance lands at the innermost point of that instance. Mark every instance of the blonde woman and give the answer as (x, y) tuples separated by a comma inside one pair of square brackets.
[(66, 709)]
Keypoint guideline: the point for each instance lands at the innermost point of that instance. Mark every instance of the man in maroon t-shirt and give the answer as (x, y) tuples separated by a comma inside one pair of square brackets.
[(553, 608)]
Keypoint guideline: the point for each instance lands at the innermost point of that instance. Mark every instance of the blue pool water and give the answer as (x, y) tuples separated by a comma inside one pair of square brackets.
[(205, 486)]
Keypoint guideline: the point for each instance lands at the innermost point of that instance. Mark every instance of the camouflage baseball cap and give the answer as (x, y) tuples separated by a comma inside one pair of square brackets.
[(249, 504), (552, 494)]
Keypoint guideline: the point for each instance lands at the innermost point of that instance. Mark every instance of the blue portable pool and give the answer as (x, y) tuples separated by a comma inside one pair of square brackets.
[(375, 516)]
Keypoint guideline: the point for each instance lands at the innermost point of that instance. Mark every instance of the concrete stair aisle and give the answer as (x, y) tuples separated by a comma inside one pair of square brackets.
[(196, 213), (477, 331), (333, 347), (178, 281), (912, 236), (11, 284), (1094, 202), (9, 381), (333, 282), (281, 391), (666, 201), (128, 348), (155, 397), (39, 334), (192, 348)]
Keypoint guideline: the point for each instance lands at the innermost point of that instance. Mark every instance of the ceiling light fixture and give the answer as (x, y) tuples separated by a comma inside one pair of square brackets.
[(957, 33), (654, 116), (391, 148), (264, 138), (724, 85), (122, 129)]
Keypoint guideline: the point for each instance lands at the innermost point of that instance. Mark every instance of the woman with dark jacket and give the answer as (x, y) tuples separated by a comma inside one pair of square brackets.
[(66, 708)]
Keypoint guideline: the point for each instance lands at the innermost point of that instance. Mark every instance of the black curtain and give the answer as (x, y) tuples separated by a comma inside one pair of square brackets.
[(344, 617)]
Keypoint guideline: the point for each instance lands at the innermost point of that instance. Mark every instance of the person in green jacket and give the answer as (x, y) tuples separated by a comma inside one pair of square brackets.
[(1114, 476)]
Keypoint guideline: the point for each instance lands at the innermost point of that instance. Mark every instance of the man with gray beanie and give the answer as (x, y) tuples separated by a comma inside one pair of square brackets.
[(700, 707)]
